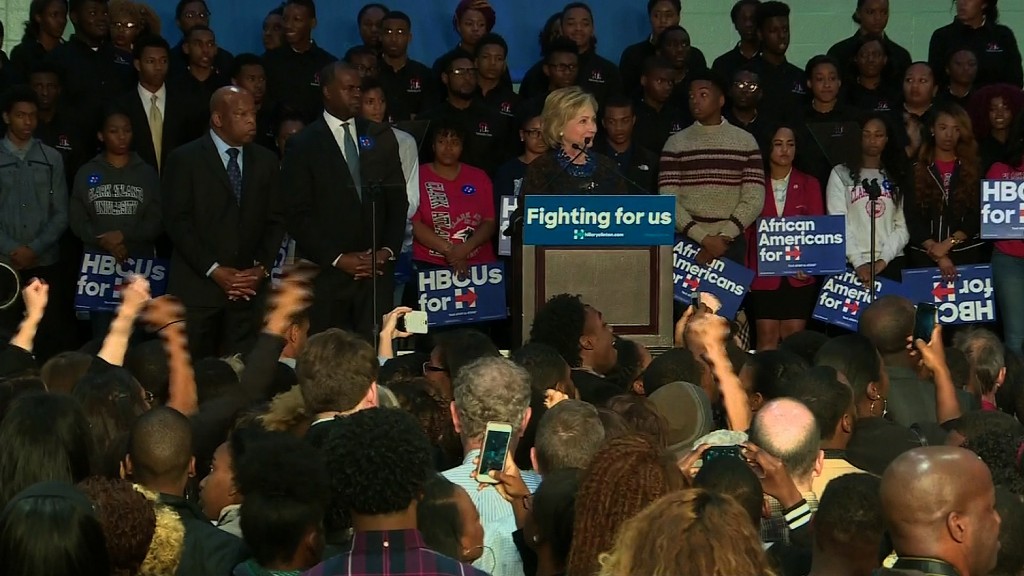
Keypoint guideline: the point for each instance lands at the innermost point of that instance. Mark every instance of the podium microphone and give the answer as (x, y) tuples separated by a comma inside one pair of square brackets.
[(619, 173), (515, 223)]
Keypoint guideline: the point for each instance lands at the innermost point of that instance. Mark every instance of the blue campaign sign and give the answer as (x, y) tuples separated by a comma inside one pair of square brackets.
[(599, 220), (813, 245), (508, 206), (100, 279), (1002, 209), (843, 297), (448, 299), (968, 300), (725, 279)]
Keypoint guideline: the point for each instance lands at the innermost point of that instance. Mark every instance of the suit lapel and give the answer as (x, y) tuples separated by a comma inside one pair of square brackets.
[(793, 192), (248, 175)]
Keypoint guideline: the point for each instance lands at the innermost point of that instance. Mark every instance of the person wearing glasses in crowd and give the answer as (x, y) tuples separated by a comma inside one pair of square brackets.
[(187, 14), (744, 109), (408, 84)]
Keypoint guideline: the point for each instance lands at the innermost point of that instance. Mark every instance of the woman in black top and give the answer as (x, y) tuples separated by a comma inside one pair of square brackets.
[(873, 89), (977, 27), (943, 216), (829, 127), (961, 77), (44, 31), (570, 124), (992, 110)]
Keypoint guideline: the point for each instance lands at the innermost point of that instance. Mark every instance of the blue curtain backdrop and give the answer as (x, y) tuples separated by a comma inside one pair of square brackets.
[(238, 25)]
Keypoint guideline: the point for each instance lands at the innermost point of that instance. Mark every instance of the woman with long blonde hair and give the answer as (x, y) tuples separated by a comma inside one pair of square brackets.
[(688, 533), (944, 219)]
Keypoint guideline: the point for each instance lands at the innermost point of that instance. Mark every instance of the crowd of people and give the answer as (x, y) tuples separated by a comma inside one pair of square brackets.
[(257, 420)]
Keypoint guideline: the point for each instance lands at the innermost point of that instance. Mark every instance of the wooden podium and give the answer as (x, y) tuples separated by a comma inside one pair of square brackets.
[(631, 286)]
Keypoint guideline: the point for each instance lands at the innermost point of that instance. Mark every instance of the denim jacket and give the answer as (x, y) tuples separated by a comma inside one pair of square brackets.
[(33, 201)]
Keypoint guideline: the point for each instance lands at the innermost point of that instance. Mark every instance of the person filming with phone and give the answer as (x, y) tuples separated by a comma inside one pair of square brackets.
[(490, 412)]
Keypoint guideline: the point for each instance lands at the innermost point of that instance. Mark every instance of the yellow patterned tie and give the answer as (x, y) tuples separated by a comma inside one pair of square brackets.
[(156, 126)]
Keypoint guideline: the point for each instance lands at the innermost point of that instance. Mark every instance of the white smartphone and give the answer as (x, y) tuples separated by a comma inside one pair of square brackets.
[(495, 450), (416, 322)]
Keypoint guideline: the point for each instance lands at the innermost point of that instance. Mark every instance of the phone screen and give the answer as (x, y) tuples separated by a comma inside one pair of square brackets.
[(924, 321), (695, 301), (721, 451), (495, 448)]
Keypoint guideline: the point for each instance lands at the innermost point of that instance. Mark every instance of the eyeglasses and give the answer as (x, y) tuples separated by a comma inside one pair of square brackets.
[(366, 69), (428, 367), (746, 85), (125, 25), (202, 15), (564, 67), (463, 71), (535, 133)]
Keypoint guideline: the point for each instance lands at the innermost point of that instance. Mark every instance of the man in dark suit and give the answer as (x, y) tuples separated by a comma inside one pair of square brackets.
[(332, 168), (156, 132), (222, 212)]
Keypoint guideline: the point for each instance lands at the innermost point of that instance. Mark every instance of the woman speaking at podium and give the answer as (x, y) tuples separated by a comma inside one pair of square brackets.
[(569, 123)]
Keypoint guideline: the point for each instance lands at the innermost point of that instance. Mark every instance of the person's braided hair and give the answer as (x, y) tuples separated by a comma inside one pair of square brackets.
[(624, 477)]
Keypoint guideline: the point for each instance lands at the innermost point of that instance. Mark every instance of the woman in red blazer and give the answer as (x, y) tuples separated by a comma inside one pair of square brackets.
[(781, 306)]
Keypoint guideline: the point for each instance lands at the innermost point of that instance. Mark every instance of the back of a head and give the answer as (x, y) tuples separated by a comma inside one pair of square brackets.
[(378, 461), (786, 429), (491, 390), (804, 344), (641, 417), (675, 365), (686, 411), (215, 378), (773, 372), (855, 357), (887, 323), (285, 488), (335, 371), (544, 364), (1011, 533), (128, 520), (554, 506), (568, 436), (559, 323), (827, 398), (624, 477), (733, 477), (49, 529), (63, 371), (986, 356), (148, 364), (691, 532), (44, 437), (999, 450), (438, 518), (849, 517), (972, 424), (160, 447), (462, 347), (111, 401)]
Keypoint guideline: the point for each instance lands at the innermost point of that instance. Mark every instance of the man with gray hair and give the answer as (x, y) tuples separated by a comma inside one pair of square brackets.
[(491, 390), (786, 429), (568, 436), (987, 357)]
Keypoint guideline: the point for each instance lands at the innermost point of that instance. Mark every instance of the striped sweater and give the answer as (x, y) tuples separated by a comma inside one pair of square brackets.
[(717, 177)]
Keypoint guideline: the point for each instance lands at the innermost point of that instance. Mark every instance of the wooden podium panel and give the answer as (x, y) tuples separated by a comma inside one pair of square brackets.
[(631, 286)]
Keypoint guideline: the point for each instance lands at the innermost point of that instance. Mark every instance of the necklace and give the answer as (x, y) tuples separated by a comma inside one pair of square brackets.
[(585, 170)]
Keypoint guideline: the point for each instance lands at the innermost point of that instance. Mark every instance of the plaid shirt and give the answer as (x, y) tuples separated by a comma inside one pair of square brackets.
[(776, 529), (391, 553)]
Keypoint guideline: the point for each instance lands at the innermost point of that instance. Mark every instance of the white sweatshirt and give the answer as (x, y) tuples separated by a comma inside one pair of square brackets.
[(845, 197)]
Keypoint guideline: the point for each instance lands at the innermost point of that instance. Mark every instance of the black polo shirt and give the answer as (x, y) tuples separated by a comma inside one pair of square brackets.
[(66, 136), (91, 79), (596, 75), (729, 63), (783, 88), (410, 91), (760, 127), (885, 98), (631, 64), (460, 52), (637, 164), (999, 58), (293, 78), (503, 100), (179, 60), (487, 143), (898, 56), (653, 127)]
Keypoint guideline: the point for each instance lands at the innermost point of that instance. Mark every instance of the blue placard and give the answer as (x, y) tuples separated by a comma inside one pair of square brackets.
[(725, 279), (1002, 209), (969, 299), (843, 297), (101, 277), (813, 245), (599, 220), (508, 206), (448, 300)]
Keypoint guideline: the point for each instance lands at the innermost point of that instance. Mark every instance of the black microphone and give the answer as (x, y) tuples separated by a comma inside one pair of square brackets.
[(872, 188), (516, 221), (618, 172)]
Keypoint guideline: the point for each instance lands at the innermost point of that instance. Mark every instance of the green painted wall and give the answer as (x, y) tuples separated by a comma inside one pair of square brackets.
[(816, 24)]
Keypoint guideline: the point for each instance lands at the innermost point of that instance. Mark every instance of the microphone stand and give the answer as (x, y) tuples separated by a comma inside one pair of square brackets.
[(515, 223), (874, 193), (373, 189)]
